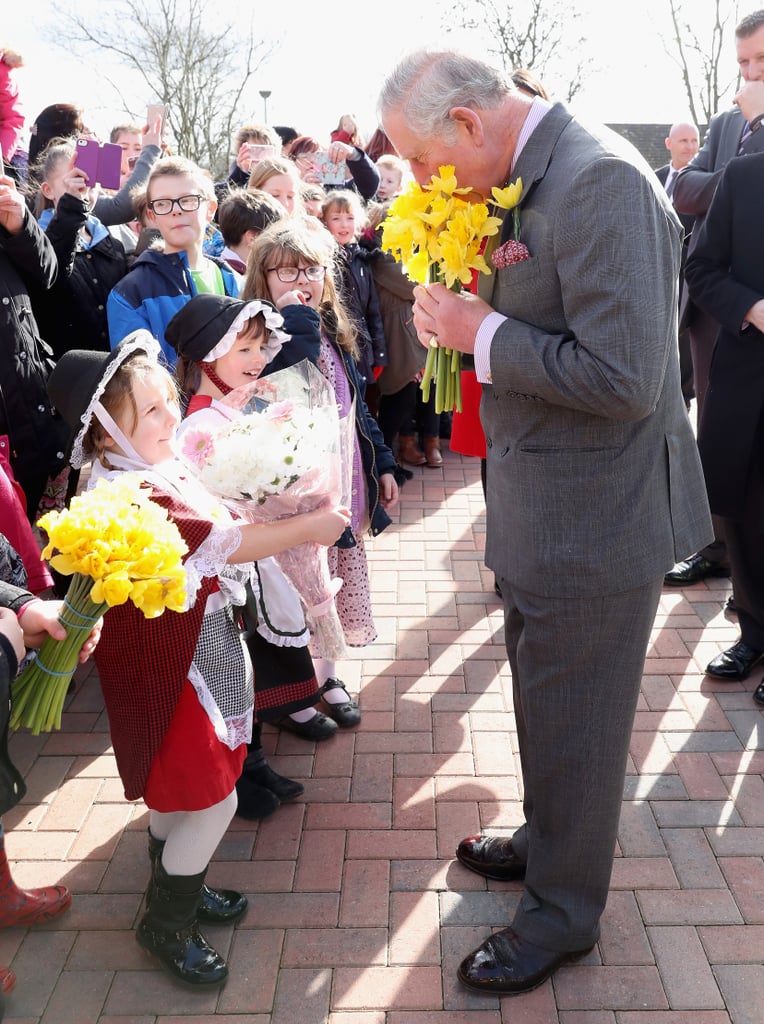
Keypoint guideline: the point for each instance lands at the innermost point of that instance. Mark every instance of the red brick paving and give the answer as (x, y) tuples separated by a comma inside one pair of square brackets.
[(358, 913)]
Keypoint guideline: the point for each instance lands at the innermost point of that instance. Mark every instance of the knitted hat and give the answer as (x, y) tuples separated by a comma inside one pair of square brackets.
[(79, 380), (206, 327)]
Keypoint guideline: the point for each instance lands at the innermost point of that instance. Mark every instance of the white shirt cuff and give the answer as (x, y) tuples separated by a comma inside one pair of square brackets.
[(483, 342)]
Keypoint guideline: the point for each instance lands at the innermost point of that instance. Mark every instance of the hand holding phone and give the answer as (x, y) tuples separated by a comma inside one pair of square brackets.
[(101, 163), (329, 172)]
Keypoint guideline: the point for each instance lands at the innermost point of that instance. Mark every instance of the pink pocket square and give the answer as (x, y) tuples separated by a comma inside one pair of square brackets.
[(509, 253)]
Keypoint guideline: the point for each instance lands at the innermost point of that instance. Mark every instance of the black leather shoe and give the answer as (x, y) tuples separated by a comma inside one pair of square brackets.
[(758, 693), (693, 570), (491, 857), (319, 727), (347, 713), (507, 964), (735, 664)]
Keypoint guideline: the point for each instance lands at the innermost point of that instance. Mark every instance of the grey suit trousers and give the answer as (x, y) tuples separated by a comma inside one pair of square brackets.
[(576, 671)]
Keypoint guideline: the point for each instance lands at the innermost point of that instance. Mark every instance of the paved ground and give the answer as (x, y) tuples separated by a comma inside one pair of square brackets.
[(358, 912)]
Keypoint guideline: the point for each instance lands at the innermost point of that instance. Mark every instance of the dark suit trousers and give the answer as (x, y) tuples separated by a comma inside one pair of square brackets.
[(576, 667), (745, 545), (703, 333)]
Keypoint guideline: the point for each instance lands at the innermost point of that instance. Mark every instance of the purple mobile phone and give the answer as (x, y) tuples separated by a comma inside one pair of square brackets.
[(87, 158), (101, 163)]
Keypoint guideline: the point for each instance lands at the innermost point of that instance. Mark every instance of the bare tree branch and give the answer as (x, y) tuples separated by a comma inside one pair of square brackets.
[(539, 35), (200, 74), (699, 56)]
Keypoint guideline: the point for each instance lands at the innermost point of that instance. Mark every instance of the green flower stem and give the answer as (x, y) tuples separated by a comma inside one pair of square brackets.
[(429, 372), (38, 694)]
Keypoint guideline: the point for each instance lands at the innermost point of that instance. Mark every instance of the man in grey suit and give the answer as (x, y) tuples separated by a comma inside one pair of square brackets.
[(735, 132), (594, 485)]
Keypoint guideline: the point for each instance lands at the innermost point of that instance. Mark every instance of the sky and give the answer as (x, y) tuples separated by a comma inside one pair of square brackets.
[(324, 66)]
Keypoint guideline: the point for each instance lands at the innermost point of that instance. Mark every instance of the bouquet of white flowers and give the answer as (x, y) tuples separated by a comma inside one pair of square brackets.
[(286, 452)]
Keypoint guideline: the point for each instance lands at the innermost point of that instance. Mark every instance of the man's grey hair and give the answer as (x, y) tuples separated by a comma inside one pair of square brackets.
[(426, 84), (749, 24)]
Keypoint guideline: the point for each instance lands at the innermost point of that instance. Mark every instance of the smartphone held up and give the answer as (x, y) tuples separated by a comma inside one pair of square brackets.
[(101, 162)]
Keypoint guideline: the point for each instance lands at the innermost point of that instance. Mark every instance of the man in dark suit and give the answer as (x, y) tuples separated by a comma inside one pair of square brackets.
[(593, 485), (732, 133), (725, 276), (682, 142)]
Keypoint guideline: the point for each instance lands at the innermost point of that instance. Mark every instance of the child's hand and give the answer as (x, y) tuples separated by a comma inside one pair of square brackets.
[(389, 493), (40, 619), (12, 206), (293, 298), (327, 525), (75, 182), (12, 59), (9, 626)]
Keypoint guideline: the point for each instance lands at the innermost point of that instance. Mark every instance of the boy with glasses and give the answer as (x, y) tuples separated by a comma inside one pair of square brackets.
[(180, 203)]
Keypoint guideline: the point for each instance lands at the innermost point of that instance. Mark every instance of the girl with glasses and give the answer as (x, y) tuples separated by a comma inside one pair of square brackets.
[(293, 265)]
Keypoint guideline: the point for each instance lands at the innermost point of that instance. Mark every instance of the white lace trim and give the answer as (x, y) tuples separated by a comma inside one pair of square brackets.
[(211, 559), (234, 731)]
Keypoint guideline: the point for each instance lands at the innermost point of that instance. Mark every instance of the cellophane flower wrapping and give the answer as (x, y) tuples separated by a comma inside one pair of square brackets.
[(286, 452)]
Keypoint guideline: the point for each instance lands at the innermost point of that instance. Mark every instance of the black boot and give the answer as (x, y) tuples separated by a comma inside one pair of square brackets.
[(218, 906), (170, 930), (258, 771)]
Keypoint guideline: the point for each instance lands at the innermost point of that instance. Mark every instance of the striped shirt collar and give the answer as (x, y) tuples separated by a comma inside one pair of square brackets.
[(537, 112)]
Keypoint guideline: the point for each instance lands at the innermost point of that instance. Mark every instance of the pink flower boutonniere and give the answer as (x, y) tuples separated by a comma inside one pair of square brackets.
[(513, 251)]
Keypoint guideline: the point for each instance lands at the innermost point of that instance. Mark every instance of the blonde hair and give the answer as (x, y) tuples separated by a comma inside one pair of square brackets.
[(347, 201), (266, 169), (290, 242), (176, 167)]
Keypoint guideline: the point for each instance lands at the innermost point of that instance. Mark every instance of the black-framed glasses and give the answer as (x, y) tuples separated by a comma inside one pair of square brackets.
[(186, 203), (288, 275)]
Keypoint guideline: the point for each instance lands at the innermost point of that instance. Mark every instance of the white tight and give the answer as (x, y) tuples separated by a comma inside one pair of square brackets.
[(191, 837)]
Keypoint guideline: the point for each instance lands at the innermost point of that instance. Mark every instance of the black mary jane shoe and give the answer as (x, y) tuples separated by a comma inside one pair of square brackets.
[(507, 964), (491, 857), (347, 714), (758, 693), (319, 727), (735, 664)]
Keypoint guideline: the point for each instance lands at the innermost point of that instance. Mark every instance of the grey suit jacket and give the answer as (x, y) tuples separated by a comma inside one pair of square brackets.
[(594, 480)]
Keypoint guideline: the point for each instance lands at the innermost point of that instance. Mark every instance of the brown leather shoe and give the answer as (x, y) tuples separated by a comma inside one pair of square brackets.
[(491, 857), (409, 452), (432, 452), (507, 964)]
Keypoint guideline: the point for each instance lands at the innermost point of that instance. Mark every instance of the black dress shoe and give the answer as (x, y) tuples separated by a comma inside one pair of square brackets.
[(758, 693), (735, 664), (507, 964), (319, 727), (491, 857), (346, 713), (693, 570)]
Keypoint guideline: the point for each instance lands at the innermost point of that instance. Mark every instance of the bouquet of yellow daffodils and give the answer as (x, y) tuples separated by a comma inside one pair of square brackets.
[(437, 235), (117, 545)]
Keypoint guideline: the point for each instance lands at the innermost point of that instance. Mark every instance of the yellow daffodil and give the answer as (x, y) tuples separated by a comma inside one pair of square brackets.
[(507, 198), (118, 545)]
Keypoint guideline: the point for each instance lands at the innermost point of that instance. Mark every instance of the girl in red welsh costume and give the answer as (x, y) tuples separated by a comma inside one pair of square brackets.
[(178, 688)]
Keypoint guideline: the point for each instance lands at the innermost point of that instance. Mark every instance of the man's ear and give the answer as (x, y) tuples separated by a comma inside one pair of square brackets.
[(469, 123)]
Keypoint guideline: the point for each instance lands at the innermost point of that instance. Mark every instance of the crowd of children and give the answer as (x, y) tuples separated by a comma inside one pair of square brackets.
[(108, 294)]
